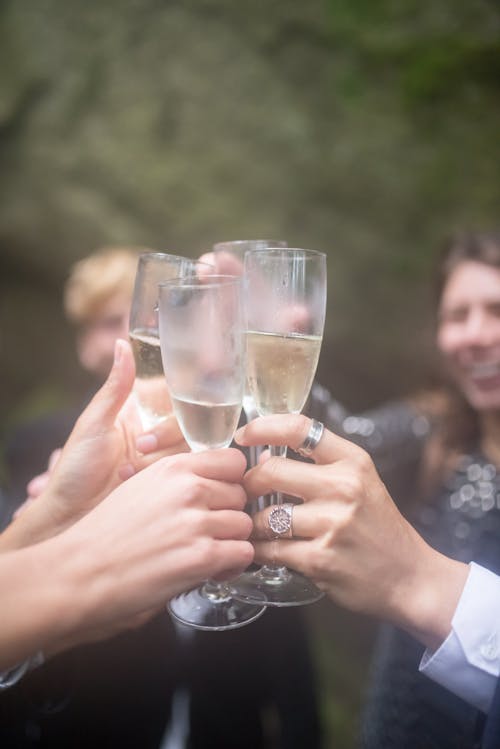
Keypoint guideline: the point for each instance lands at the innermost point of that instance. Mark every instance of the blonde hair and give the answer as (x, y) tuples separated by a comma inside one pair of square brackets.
[(98, 277)]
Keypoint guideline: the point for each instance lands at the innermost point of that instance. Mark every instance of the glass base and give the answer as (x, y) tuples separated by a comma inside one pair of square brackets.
[(279, 585), (213, 607)]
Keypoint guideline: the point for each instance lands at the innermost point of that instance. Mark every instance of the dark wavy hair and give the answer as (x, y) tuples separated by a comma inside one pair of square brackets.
[(480, 247)]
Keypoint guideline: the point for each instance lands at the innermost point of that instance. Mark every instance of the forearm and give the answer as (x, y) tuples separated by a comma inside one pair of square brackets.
[(44, 601)]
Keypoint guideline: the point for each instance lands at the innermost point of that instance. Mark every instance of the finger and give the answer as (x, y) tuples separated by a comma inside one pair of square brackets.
[(226, 262), (295, 317), (164, 435), (129, 469), (226, 464), (231, 555), (224, 496), (207, 257), (305, 524), (227, 524), (37, 485), (143, 461), (291, 430), (303, 480), (224, 491), (292, 554), (104, 407)]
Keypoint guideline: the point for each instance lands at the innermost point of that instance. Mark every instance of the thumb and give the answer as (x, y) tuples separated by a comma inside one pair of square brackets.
[(104, 407)]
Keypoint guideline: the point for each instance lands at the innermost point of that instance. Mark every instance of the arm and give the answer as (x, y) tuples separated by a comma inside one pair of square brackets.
[(468, 661), (353, 542), (170, 526)]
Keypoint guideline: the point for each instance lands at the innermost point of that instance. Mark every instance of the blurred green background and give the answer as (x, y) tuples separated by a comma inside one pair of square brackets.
[(367, 130)]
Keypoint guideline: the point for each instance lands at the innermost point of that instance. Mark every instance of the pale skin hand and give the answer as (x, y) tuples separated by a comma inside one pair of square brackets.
[(223, 262), (163, 531), (349, 536), (105, 448)]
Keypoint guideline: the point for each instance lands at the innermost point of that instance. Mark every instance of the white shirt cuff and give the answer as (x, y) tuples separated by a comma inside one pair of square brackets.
[(468, 661)]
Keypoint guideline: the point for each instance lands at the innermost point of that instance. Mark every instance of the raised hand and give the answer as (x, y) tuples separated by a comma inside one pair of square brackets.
[(348, 535), (105, 448)]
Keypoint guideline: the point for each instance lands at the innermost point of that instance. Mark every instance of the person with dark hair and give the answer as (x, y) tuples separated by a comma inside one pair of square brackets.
[(439, 455)]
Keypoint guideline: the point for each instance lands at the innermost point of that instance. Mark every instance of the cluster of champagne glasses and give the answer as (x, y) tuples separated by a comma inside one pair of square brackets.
[(209, 340)]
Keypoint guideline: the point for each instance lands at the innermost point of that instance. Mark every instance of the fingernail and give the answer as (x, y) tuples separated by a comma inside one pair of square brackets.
[(239, 433), (146, 443), (126, 471)]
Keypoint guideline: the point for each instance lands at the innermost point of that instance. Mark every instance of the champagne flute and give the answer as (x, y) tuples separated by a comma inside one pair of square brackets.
[(285, 301), (150, 390), (229, 258), (203, 352)]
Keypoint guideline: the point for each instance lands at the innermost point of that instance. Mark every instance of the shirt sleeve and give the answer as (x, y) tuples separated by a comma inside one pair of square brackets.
[(468, 661)]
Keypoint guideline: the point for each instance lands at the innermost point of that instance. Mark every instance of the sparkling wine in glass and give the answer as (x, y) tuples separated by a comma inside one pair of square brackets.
[(203, 352), (285, 304), (229, 257), (151, 393)]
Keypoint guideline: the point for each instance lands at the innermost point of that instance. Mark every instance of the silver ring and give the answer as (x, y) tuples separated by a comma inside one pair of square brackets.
[(280, 520), (312, 440)]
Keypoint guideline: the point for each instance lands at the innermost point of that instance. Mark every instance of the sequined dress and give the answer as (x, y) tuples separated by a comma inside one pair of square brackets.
[(404, 709)]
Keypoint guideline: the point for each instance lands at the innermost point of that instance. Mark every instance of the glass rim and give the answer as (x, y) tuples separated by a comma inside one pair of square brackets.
[(212, 279), (221, 245), (160, 254), (290, 250)]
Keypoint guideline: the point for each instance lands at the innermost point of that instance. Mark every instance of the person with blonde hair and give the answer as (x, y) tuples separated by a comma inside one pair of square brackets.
[(119, 692), (82, 685), (97, 299)]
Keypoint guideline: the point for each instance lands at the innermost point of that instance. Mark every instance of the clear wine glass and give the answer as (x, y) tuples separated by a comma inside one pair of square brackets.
[(203, 351), (150, 390), (285, 303), (229, 258)]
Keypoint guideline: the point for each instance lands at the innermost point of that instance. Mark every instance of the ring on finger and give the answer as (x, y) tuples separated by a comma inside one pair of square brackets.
[(312, 439), (280, 520)]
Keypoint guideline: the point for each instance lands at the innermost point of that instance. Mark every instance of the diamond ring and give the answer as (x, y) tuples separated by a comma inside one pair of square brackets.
[(280, 520)]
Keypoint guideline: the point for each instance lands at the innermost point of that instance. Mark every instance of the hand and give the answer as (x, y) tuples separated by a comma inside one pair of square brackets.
[(349, 536), (225, 263), (105, 448), (176, 523)]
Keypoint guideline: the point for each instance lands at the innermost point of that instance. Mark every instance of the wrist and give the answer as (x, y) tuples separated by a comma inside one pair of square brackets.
[(428, 595), (40, 520)]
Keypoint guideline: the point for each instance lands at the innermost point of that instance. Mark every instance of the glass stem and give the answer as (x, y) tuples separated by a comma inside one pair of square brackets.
[(217, 592), (280, 452), (253, 451)]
